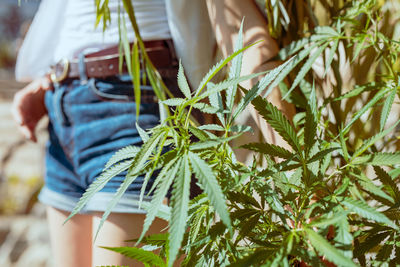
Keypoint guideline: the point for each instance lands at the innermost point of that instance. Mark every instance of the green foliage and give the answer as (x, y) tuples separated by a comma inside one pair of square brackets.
[(330, 195), (146, 257)]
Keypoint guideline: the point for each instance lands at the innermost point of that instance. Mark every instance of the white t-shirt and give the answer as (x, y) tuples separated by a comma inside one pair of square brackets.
[(62, 28), (188, 21)]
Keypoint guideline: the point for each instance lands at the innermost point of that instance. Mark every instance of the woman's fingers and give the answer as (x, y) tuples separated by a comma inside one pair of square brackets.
[(28, 133), (46, 83), (24, 126), (28, 106)]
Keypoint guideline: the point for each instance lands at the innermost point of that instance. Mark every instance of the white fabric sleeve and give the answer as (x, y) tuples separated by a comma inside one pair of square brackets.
[(193, 37), (37, 51)]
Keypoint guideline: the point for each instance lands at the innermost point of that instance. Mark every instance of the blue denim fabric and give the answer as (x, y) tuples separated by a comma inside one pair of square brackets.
[(88, 122)]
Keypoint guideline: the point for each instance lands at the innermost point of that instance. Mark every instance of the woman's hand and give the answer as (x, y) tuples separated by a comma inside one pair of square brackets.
[(28, 106)]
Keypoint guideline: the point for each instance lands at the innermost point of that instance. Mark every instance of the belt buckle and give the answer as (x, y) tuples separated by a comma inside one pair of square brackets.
[(63, 67)]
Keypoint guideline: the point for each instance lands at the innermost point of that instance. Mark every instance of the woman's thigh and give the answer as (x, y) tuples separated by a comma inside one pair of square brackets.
[(118, 228), (71, 242)]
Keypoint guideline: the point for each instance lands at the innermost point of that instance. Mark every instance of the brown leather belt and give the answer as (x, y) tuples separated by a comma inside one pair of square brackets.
[(105, 63)]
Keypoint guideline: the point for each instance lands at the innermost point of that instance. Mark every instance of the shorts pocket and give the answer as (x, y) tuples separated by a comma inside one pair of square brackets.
[(111, 91), (119, 90)]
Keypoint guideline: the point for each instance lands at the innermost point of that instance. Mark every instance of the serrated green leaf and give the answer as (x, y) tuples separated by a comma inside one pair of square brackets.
[(180, 205), (235, 69), (308, 256), (387, 106), (306, 67), (161, 162), (130, 178), (254, 258), (146, 180), (196, 222), (326, 30), (327, 250), (240, 128), (388, 183), (359, 47), (211, 142), (366, 211), (259, 87), (284, 13), (343, 187), (211, 127), (166, 168), (122, 154), (288, 242), (269, 149), (394, 172), (273, 200), (327, 221), (182, 82), (370, 242), (159, 195), (155, 83), (145, 136), (325, 163), (290, 67), (296, 46), (210, 185), (322, 154), (216, 102), (98, 184), (393, 213), (174, 101), (163, 212), (331, 55), (125, 45), (243, 198), (154, 239), (343, 145), (139, 254), (293, 48), (152, 75), (204, 144), (387, 200), (366, 107), (310, 126), (217, 67), (384, 252), (137, 164), (344, 238), (203, 107), (225, 84), (379, 158), (200, 134), (136, 75), (248, 224), (277, 121), (374, 190), (371, 141), (359, 89), (313, 166)]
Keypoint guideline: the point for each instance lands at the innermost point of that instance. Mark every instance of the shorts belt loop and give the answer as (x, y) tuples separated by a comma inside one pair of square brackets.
[(58, 106), (82, 68)]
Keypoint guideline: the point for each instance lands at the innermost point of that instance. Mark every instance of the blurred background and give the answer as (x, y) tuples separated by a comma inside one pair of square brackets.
[(23, 235)]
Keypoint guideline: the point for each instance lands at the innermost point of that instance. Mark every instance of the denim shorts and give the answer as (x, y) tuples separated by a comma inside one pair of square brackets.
[(88, 122)]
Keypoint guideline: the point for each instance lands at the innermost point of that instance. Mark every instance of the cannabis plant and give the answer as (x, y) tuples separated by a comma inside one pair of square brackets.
[(330, 199)]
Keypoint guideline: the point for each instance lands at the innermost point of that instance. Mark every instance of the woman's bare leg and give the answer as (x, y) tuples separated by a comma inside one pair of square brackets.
[(118, 228), (72, 242)]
